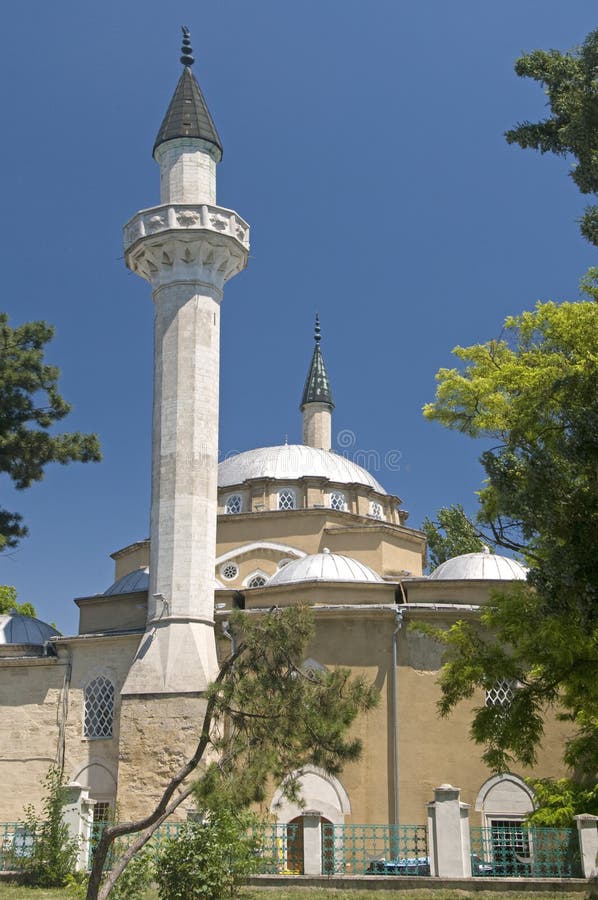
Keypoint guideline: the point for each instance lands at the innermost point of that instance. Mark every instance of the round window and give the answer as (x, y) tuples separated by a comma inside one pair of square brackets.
[(229, 571)]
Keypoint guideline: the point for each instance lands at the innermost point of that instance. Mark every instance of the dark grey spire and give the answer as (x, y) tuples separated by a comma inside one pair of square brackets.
[(188, 114), (317, 386)]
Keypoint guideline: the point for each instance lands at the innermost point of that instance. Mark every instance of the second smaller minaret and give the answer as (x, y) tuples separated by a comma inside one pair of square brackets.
[(317, 403)]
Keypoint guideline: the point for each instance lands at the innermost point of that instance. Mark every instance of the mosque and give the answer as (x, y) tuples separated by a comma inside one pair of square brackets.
[(119, 704)]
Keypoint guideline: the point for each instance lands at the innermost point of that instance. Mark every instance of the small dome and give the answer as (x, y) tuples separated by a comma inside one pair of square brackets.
[(139, 581), (290, 462), (129, 583), (324, 566), (483, 566), (18, 629)]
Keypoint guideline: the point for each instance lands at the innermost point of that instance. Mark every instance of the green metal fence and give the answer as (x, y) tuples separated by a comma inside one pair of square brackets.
[(279, 848), (374, 849), (516, 851), (16, 846)]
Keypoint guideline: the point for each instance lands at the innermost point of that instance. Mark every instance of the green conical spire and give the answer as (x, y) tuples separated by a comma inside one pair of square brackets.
[(188, 114), (317, 386)]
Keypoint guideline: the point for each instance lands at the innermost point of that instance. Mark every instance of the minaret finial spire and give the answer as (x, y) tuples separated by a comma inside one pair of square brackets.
[(187, 57), (317, 330)]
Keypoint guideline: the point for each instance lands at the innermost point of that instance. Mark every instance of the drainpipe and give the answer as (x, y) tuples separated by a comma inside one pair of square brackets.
[(395, 712)]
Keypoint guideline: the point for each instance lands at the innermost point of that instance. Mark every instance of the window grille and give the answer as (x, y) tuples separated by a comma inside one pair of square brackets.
[(501, 693), (376, 510), (337, 500), (234, 504), (229, 571), (101, 811), (286, 499), (256, 581), (98, 708)]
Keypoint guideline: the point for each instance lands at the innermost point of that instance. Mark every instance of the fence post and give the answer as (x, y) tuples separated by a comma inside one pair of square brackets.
[(448, 834), (587, 831), (77, 815), (312, 842)]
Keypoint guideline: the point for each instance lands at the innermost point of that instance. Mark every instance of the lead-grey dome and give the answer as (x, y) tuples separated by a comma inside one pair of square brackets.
[(482, 566), (18, 629), (290, 462), (324, 566), (138, 581)]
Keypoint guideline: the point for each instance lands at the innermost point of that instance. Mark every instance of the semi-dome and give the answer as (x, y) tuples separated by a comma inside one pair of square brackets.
[(290, 462), (482, 566), (324, 566), (18, 629)]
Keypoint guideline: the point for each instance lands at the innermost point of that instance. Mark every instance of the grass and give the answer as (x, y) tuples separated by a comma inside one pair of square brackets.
[(15, 892)]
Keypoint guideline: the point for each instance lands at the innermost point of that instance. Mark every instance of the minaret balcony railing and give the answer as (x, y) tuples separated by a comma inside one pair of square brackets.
[(185, 217)]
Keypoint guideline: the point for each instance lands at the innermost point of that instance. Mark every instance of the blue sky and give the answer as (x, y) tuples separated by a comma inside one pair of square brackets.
[(363, 141)]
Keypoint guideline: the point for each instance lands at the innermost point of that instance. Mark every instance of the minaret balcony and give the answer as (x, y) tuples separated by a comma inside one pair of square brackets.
[(158, 241), (185, 216)]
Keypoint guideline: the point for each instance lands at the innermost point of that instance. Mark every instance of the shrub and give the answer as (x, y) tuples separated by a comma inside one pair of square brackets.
[(53, 855)]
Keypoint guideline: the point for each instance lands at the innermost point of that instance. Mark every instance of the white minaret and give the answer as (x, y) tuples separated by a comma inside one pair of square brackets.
[(186, 248), (316, 402)]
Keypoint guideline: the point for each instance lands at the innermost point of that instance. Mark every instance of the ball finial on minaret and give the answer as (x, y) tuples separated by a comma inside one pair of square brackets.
[(317, 334), (187, 57)]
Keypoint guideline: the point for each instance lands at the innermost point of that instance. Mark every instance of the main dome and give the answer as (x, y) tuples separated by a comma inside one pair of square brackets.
[(324, 566), (290, 462), (483, 566)]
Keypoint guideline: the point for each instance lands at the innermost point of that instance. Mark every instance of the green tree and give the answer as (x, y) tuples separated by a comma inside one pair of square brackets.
[(535, 394), (30, 404), (54, 853), (571, 86), (8, 602), (561, 799), (208, 859), (450, 534), (265, 719)]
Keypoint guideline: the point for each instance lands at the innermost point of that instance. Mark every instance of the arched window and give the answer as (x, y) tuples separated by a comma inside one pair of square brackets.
[(286, 499), (98, 709), (375, 510), (337, 500), (256, 581), (234, 504)]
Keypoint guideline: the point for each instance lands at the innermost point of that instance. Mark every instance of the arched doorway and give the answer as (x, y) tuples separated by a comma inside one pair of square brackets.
[(296, 847)]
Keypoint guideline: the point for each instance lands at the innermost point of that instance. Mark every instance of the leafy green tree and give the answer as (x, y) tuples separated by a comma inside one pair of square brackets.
[(209, 859), (30, 404), (54, 853), (535, 394), (561, 799), (571, 85), (450, 534), (265, 719), (8, 602)]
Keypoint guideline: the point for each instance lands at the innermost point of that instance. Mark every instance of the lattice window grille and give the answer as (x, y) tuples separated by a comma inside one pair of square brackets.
[(99, 708), (376, 510), (501, 693), (337, 500), (229, 571), (256, 581), (101, 811), (286, 499), (233, 505)]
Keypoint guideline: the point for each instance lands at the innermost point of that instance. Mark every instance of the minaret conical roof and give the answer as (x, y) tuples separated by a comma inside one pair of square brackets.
[(317, 385), (188, 114)]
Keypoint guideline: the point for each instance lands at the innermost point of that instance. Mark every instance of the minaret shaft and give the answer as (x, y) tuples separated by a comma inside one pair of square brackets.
[(185, 451)]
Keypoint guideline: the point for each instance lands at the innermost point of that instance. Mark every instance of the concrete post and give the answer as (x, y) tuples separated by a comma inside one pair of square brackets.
[(448, 834), (587, 830), (77, 815), (312, 842)]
